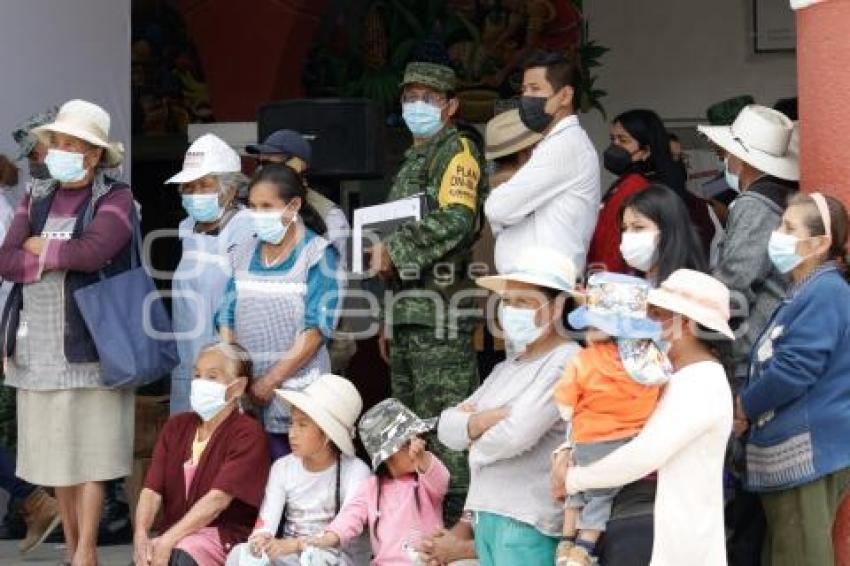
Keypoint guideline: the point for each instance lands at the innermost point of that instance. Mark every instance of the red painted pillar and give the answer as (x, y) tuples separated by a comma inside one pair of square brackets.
[(823, 60), (252, 51)]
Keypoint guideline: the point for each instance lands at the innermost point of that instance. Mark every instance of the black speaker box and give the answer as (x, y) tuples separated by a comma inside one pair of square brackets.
[(346, 134)]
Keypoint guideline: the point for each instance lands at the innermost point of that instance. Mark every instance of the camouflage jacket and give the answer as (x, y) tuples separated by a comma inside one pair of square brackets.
[(432, 256)]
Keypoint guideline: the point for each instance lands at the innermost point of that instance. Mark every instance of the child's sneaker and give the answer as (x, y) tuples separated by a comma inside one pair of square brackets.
[(562, 554), (579, 556)]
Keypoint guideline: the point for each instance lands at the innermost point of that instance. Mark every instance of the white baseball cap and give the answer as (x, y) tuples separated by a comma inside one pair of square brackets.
[(209, 154)]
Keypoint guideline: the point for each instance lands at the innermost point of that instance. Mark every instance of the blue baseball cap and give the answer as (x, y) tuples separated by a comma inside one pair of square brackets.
[(287, 142)]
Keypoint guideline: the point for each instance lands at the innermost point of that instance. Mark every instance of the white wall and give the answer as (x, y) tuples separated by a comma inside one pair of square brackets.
[(678, 57), (52, 51)]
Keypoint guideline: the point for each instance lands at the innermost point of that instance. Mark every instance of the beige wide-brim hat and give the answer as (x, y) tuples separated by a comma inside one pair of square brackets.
[(86, 121), (698, 296), (506, 135), (334, 405), (543, 267), (761, 137)]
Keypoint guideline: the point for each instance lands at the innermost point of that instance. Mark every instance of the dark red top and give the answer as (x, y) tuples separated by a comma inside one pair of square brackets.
[(235, 461), (604, 251)]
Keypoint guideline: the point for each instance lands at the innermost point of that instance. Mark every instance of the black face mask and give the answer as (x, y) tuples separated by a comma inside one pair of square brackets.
[(532, 112), (617, 160), (39, 171)]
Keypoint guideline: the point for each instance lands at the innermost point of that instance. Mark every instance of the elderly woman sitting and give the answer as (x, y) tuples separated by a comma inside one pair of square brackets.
[(208, 471), (510, 425), (209, 185)]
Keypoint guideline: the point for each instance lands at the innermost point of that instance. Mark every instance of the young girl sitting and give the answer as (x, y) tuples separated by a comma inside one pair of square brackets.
[(307, 488), (403, 504), (607, 394)]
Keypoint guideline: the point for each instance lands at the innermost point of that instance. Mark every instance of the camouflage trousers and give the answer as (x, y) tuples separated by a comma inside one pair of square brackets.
[(430, 374)]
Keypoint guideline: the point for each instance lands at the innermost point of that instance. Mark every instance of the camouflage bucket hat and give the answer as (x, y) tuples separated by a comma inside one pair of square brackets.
[(436, 76), (387, 426), (23, 135)]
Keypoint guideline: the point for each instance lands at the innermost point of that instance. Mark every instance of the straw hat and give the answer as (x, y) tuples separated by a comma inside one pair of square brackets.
[(207, 155), (539, 266), (698, 296), (506, 135), (761, 137), (88, 122), (334, 405)]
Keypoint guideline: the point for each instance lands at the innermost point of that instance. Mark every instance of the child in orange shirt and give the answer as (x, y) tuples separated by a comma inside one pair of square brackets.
[(606, 394)]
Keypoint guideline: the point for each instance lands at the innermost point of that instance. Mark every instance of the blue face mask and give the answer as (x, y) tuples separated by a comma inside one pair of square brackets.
[(520, 327), (65, 166), (731, 178), (269, 225), (782, 251), (203, 208), (422, 119)]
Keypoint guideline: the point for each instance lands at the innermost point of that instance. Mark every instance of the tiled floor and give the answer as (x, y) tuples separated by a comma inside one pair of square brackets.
[(51, 554)]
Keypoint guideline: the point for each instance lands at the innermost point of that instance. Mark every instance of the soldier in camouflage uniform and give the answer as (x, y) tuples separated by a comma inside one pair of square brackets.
[(427, 324)]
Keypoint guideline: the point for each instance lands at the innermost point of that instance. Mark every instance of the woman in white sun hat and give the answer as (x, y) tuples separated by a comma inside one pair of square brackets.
[(208, 183), (762, 164), (73, 434), (685, 438), (510, 424), (307, 488)]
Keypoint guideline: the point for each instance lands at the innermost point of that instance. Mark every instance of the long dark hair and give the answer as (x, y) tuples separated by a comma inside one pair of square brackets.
[(382, 474), (678, 247), (649, 131), (289, 185)]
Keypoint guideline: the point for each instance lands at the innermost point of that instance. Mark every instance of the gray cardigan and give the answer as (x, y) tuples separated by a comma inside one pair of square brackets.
[(517, 449), (757, 287)]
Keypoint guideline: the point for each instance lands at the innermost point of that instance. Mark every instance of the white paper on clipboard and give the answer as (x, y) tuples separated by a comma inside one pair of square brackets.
[(373, 223)]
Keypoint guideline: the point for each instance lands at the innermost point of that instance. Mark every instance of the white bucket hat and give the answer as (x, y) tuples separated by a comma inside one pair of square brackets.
[(761, 137), (209, 154), (698, 296), (334, 405), (539, 266), (86, 121)]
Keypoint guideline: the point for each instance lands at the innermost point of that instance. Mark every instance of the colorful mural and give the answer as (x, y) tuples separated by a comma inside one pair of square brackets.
[(363, 49)]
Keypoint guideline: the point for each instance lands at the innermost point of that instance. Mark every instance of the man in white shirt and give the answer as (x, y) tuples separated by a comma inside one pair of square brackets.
[(553, 200)]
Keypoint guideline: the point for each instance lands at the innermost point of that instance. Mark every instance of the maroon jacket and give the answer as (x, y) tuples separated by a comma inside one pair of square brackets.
[(236, 461)]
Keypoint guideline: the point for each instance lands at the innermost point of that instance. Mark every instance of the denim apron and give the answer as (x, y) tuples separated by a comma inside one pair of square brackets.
[(199, 283)]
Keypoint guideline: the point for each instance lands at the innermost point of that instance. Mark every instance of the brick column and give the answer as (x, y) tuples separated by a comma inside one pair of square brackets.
[(823, 60)]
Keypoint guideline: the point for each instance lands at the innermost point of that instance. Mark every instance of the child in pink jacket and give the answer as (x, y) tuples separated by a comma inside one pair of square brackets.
[(403, 503)]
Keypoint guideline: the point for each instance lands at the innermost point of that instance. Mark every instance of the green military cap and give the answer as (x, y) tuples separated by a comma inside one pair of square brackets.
[(439, 77), (724, 113), (23, 135)]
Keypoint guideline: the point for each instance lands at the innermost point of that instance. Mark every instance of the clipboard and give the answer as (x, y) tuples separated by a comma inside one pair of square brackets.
[(373, 224)]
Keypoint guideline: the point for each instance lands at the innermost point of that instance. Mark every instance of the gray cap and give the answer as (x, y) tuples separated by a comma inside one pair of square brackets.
[(23, 135)]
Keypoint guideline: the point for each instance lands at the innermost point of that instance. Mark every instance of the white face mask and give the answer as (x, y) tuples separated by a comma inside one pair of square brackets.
[(208, 398), (640, 249), (520, 327)]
